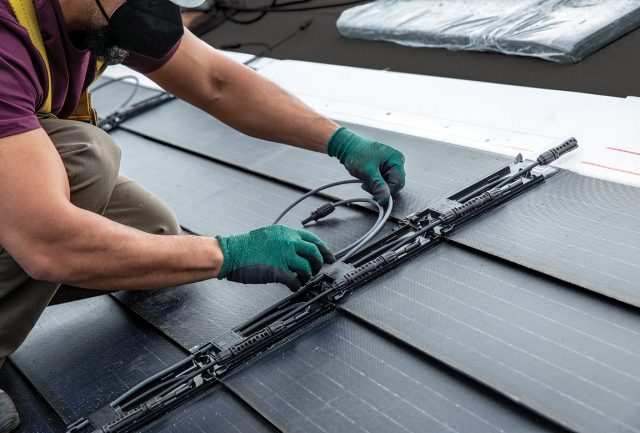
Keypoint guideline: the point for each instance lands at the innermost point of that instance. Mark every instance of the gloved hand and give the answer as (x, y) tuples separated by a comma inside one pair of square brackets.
[(274, 254), (379, 166)]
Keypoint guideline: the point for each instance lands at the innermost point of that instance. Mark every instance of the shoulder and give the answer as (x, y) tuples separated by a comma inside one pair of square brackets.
[(19, 59), (21, 73)]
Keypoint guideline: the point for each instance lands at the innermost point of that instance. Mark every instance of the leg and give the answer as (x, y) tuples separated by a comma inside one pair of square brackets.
[(92, 161), (133, 206)]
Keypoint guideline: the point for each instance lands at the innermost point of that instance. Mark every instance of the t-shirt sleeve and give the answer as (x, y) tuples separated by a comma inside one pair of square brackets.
[(20, 89), (144, 65)]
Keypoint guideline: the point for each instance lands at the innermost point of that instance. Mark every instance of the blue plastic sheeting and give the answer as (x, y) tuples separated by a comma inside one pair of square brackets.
[(341, 377), (563, 352), (81, 355), (563, 31)]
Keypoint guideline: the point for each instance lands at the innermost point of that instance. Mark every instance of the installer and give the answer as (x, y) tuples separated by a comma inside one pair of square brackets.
[(68, 216)]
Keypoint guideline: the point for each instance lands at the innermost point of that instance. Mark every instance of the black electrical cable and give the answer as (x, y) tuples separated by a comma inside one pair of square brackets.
[(230, 12), (117, 80), (208, 21), (157, 376), (269, 48), (230, 15), (262, 322), (383, 216), (236, 45), (283, 7)]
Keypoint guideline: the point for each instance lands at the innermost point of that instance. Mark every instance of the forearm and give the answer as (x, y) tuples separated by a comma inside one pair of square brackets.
[(260, 108), (240, 97), (92, 252)]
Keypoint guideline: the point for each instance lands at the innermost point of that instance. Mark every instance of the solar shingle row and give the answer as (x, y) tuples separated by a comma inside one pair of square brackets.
[(456, 340)]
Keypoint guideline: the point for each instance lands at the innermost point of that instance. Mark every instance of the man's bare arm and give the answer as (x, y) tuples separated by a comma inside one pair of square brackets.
[(238, 96), (56, 241)]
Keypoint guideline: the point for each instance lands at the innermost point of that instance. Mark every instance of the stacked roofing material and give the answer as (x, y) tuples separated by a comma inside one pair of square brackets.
[(524, 321), (563, 31)]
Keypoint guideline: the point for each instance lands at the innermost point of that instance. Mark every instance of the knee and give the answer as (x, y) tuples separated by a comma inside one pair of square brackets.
[(99, 153), (135, 206), (165, 222), (93, 163)]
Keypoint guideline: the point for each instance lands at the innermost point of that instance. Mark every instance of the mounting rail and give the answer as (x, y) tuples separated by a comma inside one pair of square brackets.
[(209, 363)]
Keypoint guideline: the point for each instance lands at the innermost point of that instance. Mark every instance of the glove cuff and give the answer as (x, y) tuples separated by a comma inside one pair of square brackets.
[(338, 142), (226, 257)]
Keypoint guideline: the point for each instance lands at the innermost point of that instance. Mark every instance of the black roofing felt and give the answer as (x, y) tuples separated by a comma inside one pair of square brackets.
[(457, 340)]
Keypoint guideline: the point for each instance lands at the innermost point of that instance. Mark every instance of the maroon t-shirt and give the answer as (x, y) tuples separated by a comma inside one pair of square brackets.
[(23, 75)]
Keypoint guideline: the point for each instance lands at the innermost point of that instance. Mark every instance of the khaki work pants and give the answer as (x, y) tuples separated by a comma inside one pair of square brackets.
[(92, 162)]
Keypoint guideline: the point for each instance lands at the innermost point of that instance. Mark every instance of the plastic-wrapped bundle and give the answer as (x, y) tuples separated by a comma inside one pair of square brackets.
[(563, 31)]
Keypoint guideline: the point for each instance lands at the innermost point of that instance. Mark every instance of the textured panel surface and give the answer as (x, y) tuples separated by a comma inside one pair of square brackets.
[(216, 411), (434, 169), (83, 354), (341, 377), (109, 98), (196, 313), (563, 352), (36, 415), (212, 198), (582, 230)]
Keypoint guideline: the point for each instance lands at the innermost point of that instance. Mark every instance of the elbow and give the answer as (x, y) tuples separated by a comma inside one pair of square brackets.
[(45, 260), (43, 266)]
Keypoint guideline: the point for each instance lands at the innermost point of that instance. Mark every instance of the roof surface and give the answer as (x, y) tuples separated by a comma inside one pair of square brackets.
[(524, 321)]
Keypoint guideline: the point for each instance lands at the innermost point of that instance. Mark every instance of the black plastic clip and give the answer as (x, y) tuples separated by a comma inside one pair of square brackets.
[(319, 213)]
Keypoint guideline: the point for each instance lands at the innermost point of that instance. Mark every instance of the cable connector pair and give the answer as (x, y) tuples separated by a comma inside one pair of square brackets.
[(318, 214)]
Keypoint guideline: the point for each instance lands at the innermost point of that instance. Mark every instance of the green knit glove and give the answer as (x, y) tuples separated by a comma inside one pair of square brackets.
[(274, 254), (379, 166)]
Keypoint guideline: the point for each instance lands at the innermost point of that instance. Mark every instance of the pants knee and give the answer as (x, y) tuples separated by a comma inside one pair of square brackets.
[(133, 205), (92, 160), (166, 223)]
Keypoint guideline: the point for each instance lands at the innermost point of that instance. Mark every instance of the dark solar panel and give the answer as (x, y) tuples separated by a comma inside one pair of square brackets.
[(216, 411), (560, 351), (563, 352), (541, 233), (83, 354), (582, 230), (212, 199), (36, 415), (434, 169), (196, 313), (341, 377)]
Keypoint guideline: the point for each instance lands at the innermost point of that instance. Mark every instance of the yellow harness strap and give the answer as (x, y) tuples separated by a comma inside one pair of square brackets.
[(84, 111), (27, 16), (25, 12)]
